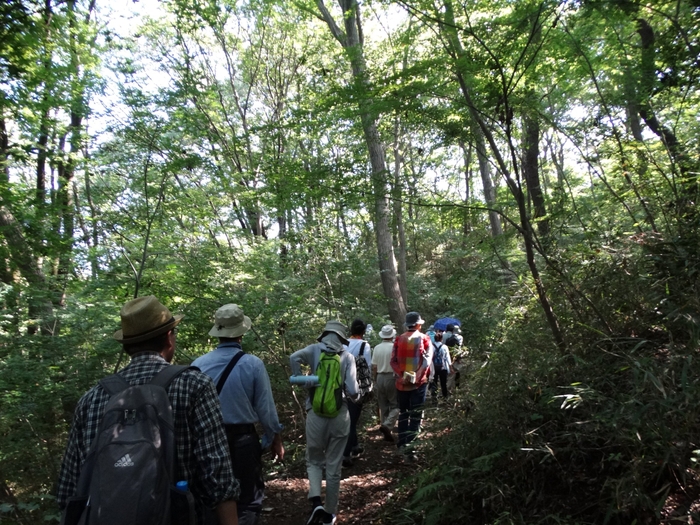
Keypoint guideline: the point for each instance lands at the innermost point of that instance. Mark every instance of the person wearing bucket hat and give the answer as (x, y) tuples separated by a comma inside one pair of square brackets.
[(410, 360), (384, 382), (246, 399), (148, 335), (326, 436)]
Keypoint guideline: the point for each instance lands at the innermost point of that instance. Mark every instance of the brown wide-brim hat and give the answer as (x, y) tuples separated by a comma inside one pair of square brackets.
[(230, 321), (144, 318), (337, 328)]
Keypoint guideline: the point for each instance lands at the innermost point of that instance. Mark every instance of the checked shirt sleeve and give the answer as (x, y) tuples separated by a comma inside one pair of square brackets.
[(211, 449)]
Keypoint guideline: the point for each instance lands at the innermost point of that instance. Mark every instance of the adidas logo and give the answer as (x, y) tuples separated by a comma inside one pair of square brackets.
[(125, 461)]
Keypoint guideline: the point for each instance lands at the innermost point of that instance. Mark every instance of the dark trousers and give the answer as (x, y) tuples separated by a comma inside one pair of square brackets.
[(410, 413), (246, 459), (354, 410), (440, 375)]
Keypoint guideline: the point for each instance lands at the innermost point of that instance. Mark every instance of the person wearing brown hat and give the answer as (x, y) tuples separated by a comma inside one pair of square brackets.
[(384, 381), (410, 360), (148, 334), (326, 436), (246, 399)]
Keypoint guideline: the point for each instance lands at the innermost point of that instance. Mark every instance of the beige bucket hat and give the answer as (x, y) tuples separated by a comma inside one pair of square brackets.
[(230, 321)]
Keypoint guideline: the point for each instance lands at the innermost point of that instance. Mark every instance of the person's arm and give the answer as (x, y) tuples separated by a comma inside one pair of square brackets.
[(301, 357), (264, 406), (227, 512), (350, 376), (277, 447), (426, 357), (394, 362), (211, 446)]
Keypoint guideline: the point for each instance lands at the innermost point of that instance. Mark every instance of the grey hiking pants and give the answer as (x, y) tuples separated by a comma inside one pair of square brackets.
[(385, 390), (325, 441)]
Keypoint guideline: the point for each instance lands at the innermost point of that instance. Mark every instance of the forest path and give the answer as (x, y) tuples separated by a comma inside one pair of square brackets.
[(368, 489)]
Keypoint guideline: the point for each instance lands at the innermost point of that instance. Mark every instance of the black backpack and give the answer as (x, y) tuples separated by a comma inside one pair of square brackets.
[(452, 341), (364, 376), (127, 477)]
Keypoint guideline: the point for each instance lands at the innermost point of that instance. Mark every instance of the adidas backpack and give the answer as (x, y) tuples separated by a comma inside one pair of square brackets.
[(327, 397), (127, 477)]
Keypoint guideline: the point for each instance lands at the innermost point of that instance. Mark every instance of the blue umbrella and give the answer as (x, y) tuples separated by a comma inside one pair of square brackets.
[(441, 324)]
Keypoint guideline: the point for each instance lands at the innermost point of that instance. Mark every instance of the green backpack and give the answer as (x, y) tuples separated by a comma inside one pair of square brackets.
[(327, 397)]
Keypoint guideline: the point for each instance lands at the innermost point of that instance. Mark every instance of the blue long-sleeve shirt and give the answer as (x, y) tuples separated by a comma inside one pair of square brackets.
[(246, 396)]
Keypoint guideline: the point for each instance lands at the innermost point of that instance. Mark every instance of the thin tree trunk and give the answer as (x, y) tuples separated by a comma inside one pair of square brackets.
[(531, 172), (351, 40), (398, 212), (40, 307), (486, 180), (525, 227)]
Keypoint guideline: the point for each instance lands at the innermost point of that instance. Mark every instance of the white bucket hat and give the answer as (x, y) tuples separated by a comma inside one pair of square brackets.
[(387, 332), (229, 321)]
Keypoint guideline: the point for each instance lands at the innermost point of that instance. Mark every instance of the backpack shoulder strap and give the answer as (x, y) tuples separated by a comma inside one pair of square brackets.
[(362, 348), (114, 384), (167, 374), (227, 371)]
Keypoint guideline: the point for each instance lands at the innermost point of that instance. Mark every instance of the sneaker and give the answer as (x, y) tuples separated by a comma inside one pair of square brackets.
[(330, 519), (318, 514), (388, 436)]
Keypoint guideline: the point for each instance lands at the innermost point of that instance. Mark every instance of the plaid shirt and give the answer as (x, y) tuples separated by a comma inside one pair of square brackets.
[(202, 449), (413, 352)]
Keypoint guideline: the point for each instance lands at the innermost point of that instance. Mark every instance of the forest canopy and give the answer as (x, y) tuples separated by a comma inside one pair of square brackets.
[(529, 167)]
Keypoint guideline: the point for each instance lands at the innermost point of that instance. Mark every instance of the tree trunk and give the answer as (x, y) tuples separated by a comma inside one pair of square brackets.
[(688, 169), (486, 180), (351, 40), (531, 172), (398, 212), (448, 27), (467, 156), (40, 307)]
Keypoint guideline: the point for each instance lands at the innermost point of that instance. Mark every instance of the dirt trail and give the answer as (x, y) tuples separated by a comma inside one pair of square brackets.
[(366, 489)]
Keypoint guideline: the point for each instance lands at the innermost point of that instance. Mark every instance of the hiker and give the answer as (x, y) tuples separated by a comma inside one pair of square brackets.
[(454, 377), (326, 431), (360, 349), (148, 334), (246, 398), (384, 382), (410, 359), (452, 336), (442, 364), (431, 333)]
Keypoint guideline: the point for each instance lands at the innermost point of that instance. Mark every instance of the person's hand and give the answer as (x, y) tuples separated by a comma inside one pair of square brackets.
[(277, 448)]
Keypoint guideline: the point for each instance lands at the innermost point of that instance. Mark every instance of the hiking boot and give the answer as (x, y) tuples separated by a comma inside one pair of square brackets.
[(317, 515), (347, 461), (388, 436)]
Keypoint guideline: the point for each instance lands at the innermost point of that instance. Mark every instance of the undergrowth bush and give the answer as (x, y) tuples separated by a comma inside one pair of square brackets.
[(603, 433)]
